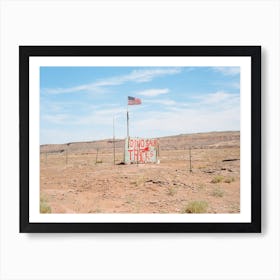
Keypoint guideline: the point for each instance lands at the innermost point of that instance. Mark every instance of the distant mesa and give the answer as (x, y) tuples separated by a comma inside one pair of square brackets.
[(209, 140)]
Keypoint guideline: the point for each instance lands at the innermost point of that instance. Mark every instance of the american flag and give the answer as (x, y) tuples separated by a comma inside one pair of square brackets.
[(134, 101)]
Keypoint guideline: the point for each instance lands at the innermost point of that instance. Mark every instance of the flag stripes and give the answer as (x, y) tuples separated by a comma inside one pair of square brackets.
[(134, 101)]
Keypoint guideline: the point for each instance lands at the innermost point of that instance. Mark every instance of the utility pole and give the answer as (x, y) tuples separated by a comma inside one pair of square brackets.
[(114, 143)]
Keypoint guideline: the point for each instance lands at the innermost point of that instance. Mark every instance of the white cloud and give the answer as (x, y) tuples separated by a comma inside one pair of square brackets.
[(57, 118), (96, 124), (235, 85), (167, 102), (218, 98), (137, 76), (96, 117), (153, 92), (64, 90), (211, 112), (110, 112), (149, 74), (228, 71), (187, 121), (216, 111), (67, 135)]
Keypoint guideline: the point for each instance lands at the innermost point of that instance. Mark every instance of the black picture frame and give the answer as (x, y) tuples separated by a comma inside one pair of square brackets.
[(254, 52)]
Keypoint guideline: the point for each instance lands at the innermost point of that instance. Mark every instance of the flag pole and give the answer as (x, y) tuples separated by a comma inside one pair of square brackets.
[(127, 121)]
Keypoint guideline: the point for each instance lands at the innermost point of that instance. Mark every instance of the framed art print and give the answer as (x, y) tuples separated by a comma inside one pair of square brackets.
[(140, 138)]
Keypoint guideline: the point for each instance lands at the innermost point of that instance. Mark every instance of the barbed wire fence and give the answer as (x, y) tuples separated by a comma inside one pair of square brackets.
[(190, 158)]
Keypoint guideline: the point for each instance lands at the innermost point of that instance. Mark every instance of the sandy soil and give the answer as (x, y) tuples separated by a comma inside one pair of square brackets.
[(78, 182)]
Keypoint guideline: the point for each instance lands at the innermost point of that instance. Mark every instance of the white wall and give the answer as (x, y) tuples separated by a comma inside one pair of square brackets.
[(139, 256)]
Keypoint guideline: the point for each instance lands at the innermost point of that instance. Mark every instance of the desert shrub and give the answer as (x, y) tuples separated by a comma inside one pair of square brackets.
[(234, 208), (201, 186), (196, 207), (217, 179), (129, 200), (229, 180), (96, 210), (201, 166), (217, 192), (139, 181), (171, 191), (99, 161), (44, 207)]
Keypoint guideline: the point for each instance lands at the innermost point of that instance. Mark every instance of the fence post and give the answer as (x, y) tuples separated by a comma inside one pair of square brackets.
[(66, 156), (114, 142), (138, 144), (96, 155), (190, 158)]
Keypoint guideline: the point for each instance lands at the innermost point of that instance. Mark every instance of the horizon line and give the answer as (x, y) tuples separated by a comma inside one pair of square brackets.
[(119, 139)]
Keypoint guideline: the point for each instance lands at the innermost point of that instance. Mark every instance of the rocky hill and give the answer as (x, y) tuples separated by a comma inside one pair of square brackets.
[(176, 142)]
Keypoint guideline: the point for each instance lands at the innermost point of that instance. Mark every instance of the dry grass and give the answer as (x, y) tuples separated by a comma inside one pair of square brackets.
[(217, 192), (196, 207), (217, 179), (171, 191), (229, 180), (44, 207)]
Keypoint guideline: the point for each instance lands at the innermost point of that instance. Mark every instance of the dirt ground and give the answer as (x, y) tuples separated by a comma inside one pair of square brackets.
[(78, 183)]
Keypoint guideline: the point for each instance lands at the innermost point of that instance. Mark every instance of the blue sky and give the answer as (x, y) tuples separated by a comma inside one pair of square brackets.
[(80, 103)]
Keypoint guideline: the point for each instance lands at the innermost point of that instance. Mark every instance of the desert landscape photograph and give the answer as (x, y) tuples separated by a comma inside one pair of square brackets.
[(139, 140)]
